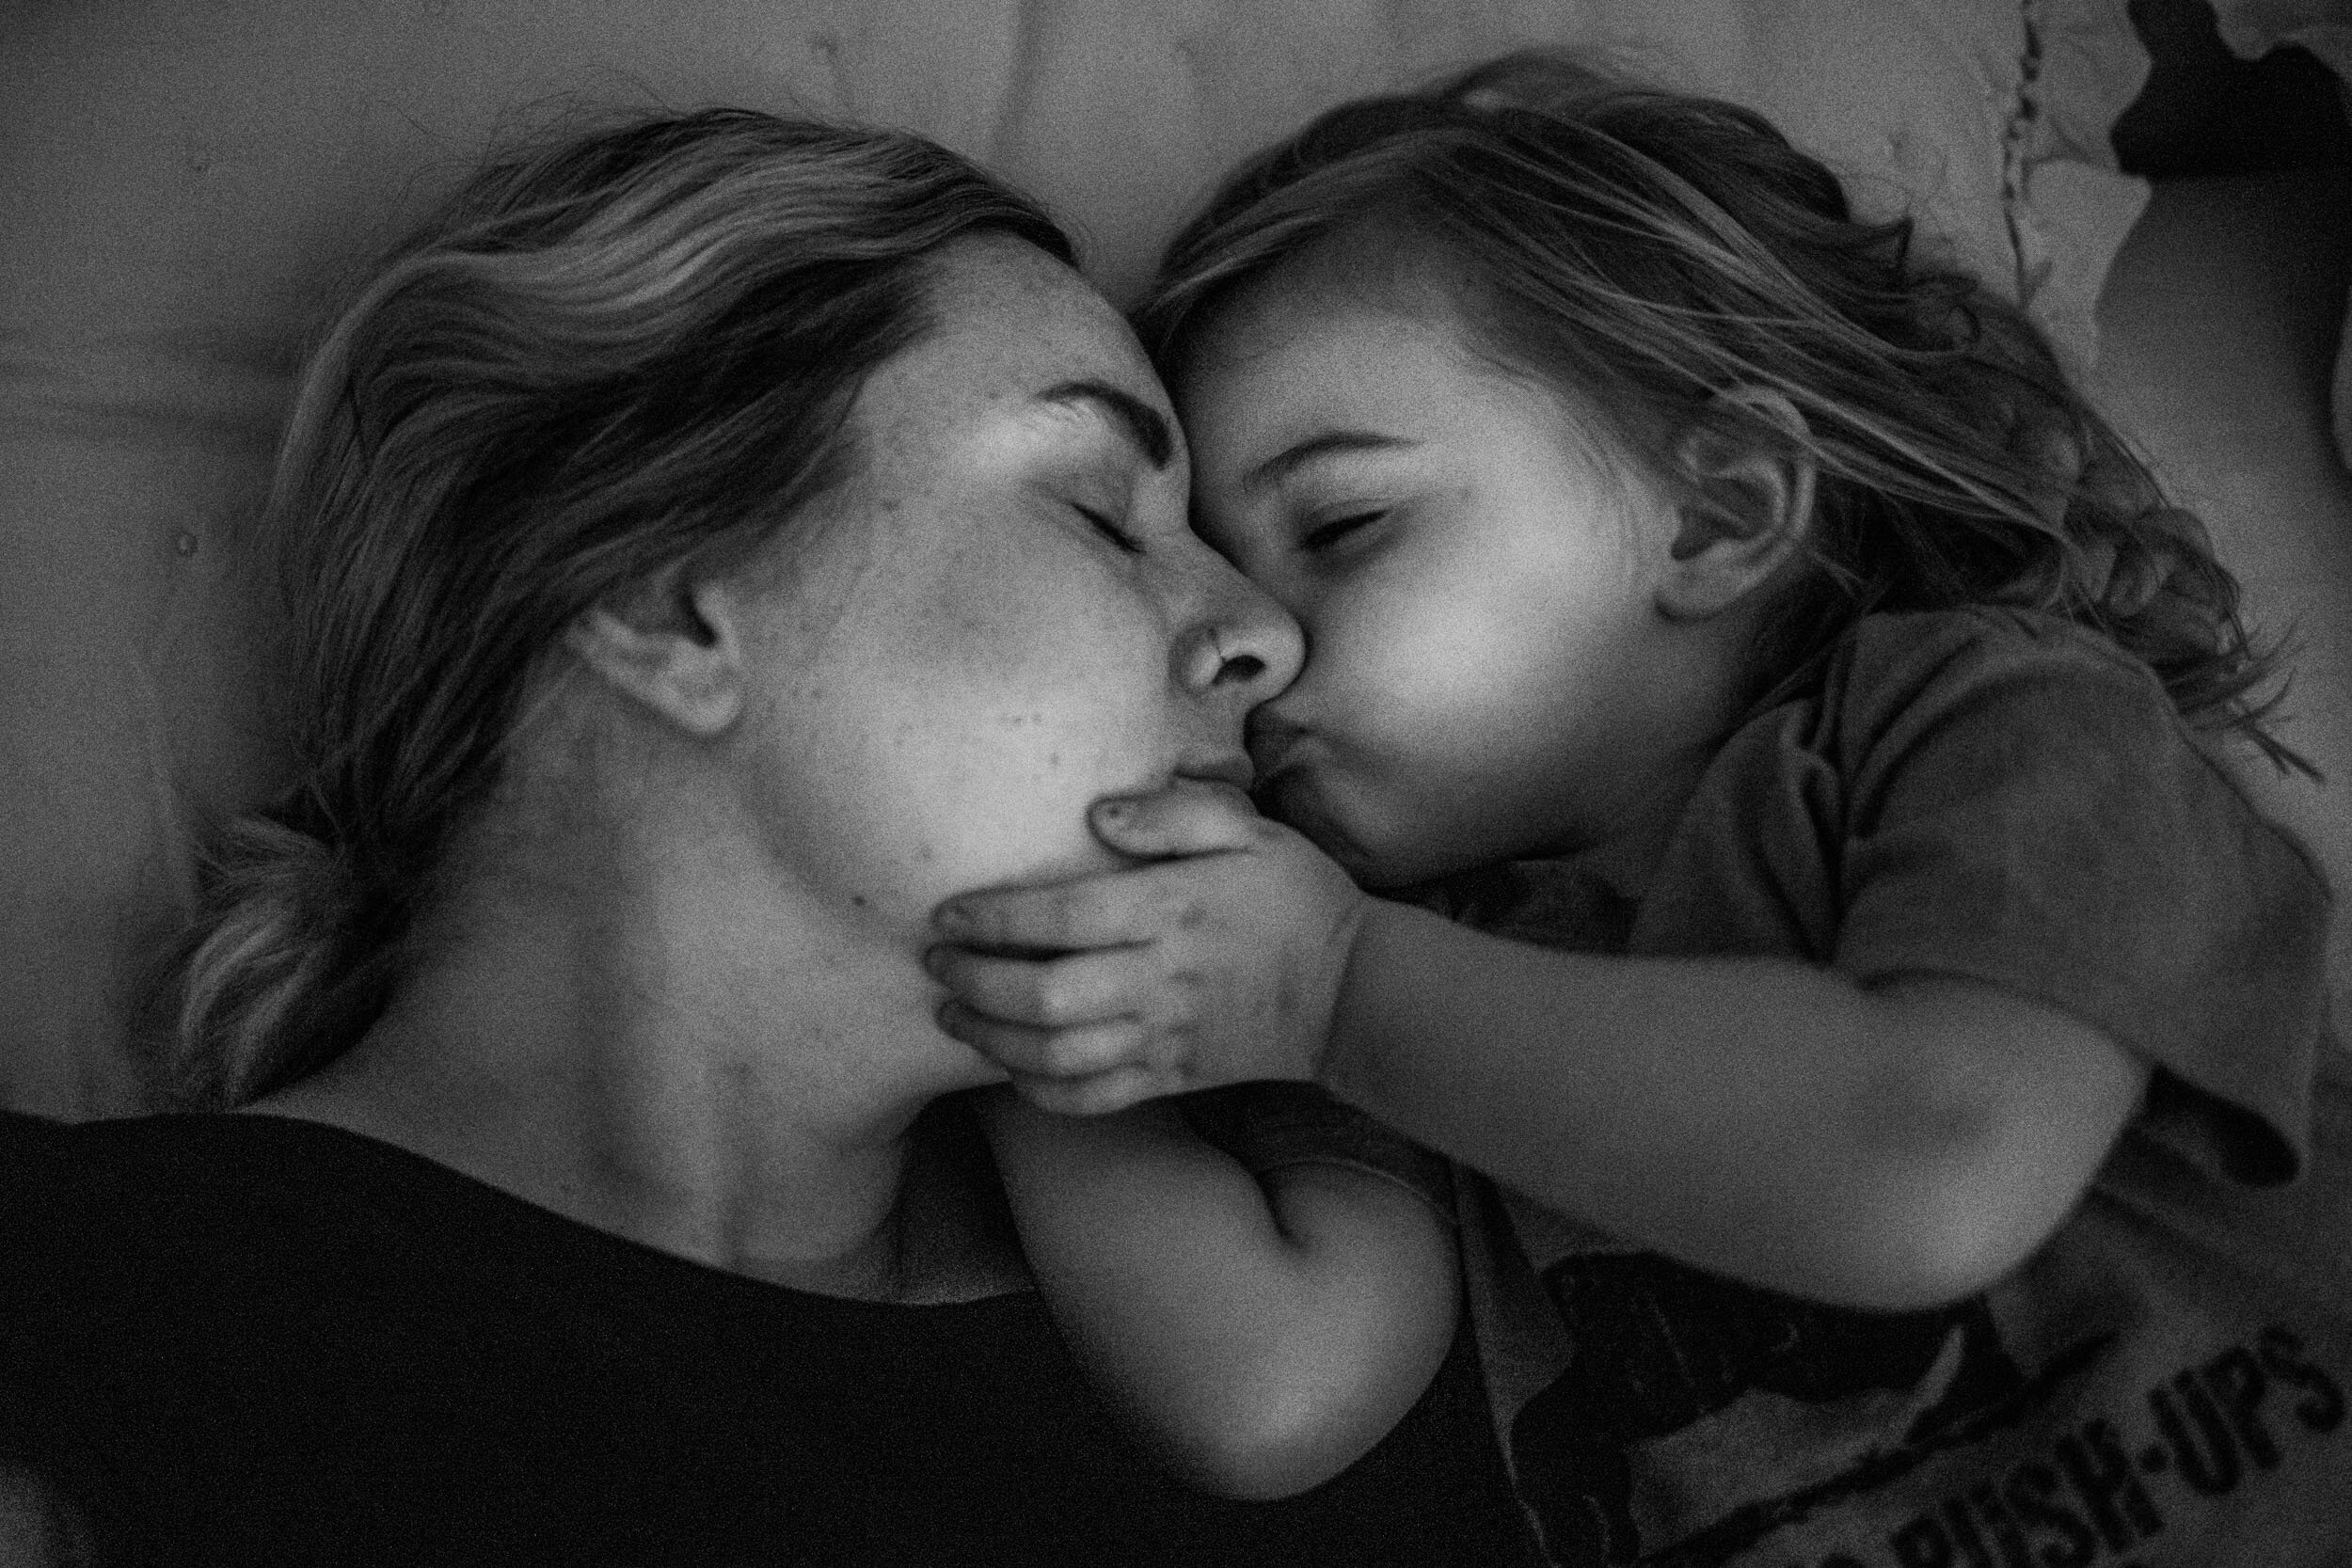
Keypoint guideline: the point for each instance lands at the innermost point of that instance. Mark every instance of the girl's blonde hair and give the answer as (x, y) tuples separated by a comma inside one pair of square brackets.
[(1644, 252), (600, 357)]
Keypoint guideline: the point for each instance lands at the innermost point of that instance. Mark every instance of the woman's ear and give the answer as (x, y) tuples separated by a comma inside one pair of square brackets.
[(1757, 510), (674, 644)]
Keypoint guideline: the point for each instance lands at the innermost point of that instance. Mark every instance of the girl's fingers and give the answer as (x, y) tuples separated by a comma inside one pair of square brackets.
[(1188, 817), (1075, 988), (1107, 909), (1030, 1053)]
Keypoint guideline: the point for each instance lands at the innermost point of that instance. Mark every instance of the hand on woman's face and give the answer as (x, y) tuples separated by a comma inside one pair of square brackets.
[(1005, 616)]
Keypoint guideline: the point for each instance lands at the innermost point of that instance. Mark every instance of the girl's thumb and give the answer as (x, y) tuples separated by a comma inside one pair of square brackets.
[(1191, 817)]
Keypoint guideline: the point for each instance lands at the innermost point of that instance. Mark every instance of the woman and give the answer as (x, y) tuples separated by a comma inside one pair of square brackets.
[(711, 542)]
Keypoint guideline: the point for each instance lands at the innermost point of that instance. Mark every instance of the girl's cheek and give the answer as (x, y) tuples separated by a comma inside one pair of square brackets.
[(1380, 632)]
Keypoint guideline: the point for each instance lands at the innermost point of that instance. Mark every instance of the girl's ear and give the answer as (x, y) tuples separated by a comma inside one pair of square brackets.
[(673, 645), (1755, 511)]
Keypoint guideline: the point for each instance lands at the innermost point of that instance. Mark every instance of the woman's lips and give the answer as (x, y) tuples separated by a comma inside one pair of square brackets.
[(1230, 767)]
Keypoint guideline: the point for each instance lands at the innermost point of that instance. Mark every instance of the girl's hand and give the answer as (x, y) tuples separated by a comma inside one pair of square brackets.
[(1217, 962)]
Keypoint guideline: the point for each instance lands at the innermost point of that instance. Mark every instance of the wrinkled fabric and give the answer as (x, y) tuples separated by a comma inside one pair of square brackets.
[(2003, 798)]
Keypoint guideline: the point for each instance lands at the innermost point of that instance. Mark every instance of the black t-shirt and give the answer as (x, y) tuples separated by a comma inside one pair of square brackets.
[(247, 1339)]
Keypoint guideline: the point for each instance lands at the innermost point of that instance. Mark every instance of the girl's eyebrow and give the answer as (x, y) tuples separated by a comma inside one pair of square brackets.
[(1329, 443)]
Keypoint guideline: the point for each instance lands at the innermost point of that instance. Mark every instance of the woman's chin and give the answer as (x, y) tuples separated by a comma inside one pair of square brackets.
[(1033, 865)]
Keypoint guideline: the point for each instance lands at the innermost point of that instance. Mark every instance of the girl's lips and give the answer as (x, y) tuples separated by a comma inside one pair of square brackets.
[(1272, 741), (1294, 798)]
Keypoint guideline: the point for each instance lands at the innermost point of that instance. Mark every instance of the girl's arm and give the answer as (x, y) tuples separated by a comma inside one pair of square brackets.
[(1885, 1146), (1890, 1147), (1262, 1333)]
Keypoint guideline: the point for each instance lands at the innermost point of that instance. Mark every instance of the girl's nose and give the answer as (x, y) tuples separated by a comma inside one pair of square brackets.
[(1244, 645)]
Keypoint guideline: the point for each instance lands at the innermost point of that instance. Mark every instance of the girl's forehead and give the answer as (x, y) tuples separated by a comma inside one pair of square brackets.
[(1296, 369), (1361, 291), (1294, 349)]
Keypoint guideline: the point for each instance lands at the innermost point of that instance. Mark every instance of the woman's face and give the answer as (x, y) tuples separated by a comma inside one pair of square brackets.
[(1005, 616)]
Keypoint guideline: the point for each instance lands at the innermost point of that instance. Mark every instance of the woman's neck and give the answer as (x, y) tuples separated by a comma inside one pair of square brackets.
[(747, 1094)]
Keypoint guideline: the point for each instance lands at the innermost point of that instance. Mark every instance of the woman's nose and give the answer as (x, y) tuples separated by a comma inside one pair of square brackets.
[(1244, 645)]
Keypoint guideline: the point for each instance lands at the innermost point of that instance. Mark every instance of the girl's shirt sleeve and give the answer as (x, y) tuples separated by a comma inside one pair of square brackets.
[(2004, 796)]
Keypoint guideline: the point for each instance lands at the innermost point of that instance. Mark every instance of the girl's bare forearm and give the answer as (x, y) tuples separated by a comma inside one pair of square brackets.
[(1883, 1148)]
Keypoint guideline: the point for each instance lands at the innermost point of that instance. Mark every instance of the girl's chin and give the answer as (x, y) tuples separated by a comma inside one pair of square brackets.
[(1382, 854), (1300, 800)]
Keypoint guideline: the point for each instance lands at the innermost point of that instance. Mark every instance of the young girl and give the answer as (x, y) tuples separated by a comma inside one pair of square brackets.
[(1869, 1024)]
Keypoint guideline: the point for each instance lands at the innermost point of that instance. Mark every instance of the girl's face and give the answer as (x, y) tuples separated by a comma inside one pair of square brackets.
[(1488, 676), (1004, 616)]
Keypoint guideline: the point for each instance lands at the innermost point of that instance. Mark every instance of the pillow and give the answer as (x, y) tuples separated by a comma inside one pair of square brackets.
[(186, 189), (2254, 28)]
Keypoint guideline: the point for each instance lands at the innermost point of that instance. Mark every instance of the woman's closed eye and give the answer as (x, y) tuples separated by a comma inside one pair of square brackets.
[(1108, 530), (1324, 535)]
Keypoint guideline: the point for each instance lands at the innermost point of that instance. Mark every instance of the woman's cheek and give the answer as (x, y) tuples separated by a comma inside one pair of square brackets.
[(1021, 685), (994, 783), (1019, 802)]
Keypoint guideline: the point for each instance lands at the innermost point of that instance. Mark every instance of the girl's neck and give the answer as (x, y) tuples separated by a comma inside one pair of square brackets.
[(1628, 853)]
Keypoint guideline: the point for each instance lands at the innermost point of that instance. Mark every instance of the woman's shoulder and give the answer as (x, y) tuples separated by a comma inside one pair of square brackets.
[(181, 1213), (234, 1308), (150, 1236), (69, 1181), (158, 1176), (198, 1311)]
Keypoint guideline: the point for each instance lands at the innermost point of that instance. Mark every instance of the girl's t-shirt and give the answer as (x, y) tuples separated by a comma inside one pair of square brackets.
[(2000, 796)]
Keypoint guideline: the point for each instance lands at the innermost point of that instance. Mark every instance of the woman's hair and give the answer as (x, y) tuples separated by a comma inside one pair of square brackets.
[(1644, 252), (599, 357)]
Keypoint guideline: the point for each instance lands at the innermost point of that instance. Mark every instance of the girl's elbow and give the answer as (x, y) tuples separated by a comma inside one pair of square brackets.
[(1943, 1234), (1935, 1254), (1281, 1430), (1956, 1194), (1261, 1456)]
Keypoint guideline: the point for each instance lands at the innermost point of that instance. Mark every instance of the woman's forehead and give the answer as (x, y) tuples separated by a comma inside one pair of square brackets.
[(1000, 306), (1013, 332)]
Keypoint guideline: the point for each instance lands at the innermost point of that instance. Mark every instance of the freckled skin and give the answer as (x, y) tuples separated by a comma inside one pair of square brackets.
[(960, 662)]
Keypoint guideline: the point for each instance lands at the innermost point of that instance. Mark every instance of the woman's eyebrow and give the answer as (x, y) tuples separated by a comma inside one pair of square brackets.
[(1328, 444), (1143, 425)]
